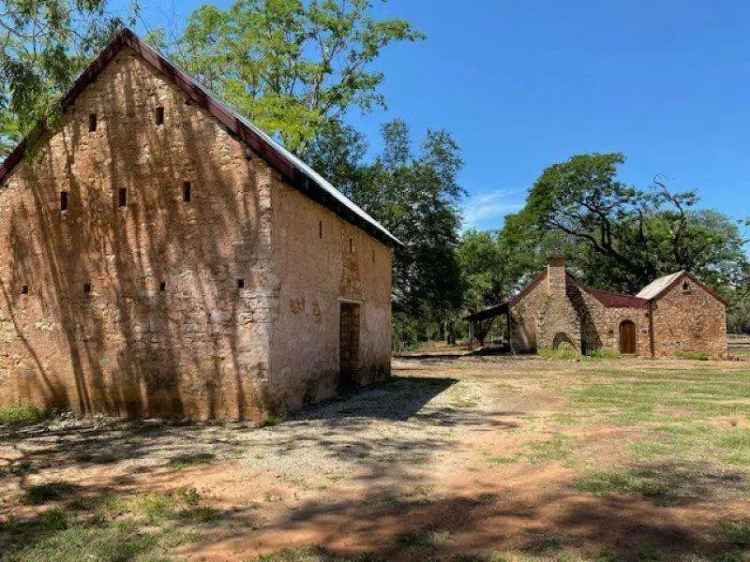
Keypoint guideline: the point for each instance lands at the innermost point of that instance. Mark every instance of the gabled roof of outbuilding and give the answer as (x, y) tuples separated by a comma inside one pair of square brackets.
[(660, 286), (616, 300), (657, 286), (294, 170)]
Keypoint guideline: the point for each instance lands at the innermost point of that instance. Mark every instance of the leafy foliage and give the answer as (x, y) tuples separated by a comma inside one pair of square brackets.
[(43, 47), (415, 196), (290, 66), (616, 236)]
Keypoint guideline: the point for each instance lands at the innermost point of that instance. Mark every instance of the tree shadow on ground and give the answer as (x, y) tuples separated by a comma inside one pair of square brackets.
[(391, 524)]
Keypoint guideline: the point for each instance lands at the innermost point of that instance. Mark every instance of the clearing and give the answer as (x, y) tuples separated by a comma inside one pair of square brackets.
[(462, 458)]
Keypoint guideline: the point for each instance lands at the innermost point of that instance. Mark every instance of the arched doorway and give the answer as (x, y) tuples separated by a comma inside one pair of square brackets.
[(627, 337), (560, 339)]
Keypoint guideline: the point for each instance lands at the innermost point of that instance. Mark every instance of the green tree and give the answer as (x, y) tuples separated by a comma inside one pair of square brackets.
[(44, 44), (415, 196), (483, 269), (622, 237), (290, 66)]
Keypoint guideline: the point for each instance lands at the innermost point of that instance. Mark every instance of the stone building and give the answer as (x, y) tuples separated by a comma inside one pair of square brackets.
[(162, 256), (675, 313)]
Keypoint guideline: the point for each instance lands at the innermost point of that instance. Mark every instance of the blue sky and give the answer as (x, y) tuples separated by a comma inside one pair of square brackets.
[(522, 85)]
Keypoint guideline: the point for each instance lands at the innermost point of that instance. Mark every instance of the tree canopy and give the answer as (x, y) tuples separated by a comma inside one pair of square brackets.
[(290, 66), (616, 236), (44, 45)]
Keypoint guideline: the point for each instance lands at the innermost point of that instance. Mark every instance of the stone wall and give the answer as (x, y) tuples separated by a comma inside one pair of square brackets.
[(170, 285), (689, 319), (157, 308), (600, 325), (540, 320), (320, 262)]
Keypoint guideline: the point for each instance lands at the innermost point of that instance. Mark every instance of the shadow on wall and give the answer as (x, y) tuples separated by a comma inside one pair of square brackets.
[(145, 297)]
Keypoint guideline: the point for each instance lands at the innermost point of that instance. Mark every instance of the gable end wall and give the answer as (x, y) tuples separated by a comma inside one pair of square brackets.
[(689, 320), (201, 347)]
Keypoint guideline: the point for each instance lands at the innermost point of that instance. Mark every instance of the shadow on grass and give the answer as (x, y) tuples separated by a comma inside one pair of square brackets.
[(666, 484)]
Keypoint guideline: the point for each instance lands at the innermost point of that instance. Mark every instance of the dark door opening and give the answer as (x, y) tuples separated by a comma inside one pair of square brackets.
[(627, 337), (348, 345)]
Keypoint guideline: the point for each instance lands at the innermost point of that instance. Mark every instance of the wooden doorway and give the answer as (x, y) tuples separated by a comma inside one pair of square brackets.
[(627, 338), (348, 344)]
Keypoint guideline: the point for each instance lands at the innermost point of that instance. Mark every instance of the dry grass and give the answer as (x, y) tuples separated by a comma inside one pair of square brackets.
[(456, 459)]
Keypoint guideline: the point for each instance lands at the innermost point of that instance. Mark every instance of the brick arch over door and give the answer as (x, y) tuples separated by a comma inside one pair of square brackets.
[(561, 338), (627, 337)]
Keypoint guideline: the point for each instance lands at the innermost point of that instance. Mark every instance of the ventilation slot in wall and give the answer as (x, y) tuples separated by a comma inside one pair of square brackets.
[(162, 286), (87, 288), (122, 197), (320, 229), (240, 283), (25, 290), (92, 122), (187, 192), (160, 115), (63, 200), (351, 246)]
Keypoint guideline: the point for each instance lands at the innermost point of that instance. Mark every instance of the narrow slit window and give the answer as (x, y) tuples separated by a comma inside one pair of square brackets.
[(351, 246), (92, 122), (162, 286), (320, 229), (240, 283), (122, 197), (87, 288), (25, 290), (160, 115), (187, 192), (63, 200)]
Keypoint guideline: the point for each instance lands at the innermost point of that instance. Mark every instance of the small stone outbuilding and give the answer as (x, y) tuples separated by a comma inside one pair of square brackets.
[(162, 256), (674, 314)]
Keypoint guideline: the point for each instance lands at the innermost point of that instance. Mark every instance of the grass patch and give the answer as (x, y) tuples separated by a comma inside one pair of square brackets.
[(692, 355), (602, 483), (118, 542), (107, 528), (312, 554), (666, 484), (182, 462), (41, 494), (21, 414), (563, 352), (604, 353), (736, 532), (558, 448), (271, 421)]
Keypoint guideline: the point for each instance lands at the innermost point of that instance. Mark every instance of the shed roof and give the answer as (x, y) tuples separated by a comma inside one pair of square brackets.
[(656, 286), (616, 300), (293, 169)]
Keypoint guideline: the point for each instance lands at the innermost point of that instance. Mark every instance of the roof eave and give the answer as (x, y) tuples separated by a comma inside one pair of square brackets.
[(232, 123)]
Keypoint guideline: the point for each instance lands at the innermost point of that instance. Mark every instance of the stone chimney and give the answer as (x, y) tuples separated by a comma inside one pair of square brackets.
[(556, 278)]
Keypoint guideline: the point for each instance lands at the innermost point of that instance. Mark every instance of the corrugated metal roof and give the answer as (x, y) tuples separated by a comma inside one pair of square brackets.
[(654, 288), (299, 174)]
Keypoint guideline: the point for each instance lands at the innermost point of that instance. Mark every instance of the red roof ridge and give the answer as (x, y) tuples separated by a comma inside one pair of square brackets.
[(294, 171)]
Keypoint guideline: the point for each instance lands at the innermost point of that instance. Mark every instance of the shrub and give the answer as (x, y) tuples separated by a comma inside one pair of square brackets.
[(21, 414), (563, 352), (692, 355), (605, 353)]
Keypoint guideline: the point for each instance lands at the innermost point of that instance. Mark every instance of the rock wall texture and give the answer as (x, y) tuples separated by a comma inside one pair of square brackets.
[(322, 261), (687, 318), (160, 288)]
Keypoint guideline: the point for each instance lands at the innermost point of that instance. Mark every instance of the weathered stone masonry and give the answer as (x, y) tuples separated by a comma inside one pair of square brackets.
[(185, 277), (674, 314)]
